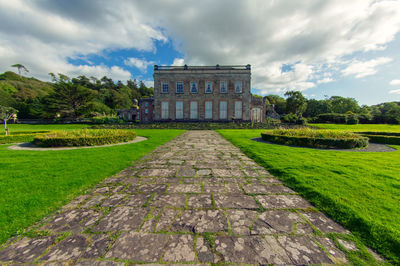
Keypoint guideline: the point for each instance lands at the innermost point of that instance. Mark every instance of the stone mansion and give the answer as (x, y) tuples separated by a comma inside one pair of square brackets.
[(200, 93)]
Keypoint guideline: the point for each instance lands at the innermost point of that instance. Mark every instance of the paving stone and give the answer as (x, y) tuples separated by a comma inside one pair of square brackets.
[(203, 172), (186, 172), (231, 188), (93, 201), (131, 180), (133, 188), (251, 173), (194, 180), (138, 247), (147, 180), (167, 180), (348, 245), (97, 247), (233, 180), (214, 188), (158, 172), (151, 220), (76, 220), (241, 220), (200, 201), (323, 223), (336, 254), (173, 200), (122, 218), (76, 202), (70, 248), (266, 189), (270, 181), (264, 173), (251, 250), (153, 188), (176, 162), (99, 263), (303, 250), (283, 201), (136, 200), (276, 222), (184, 188), (221, 172), (113, 200), (26, 249), (200, 221), (113, 180), (204, 251), (166, 219), (179, 249), (235, 201)]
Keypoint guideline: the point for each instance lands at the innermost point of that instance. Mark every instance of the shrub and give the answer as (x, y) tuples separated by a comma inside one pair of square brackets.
[(305, 137), (382, 137), (293, 119), (351, 120), (20, 136), (331, 118), (84, 137)]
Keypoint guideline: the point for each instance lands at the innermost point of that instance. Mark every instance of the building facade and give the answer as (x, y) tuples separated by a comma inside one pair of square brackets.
[(203, 93), (146, 106)]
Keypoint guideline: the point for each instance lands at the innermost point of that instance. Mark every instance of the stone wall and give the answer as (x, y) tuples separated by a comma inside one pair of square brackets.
[(201, 76)]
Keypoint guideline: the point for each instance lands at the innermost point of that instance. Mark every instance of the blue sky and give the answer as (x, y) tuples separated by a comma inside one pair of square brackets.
[(323, 48)]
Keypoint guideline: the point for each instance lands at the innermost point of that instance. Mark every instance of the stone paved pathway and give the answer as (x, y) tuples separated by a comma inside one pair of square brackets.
[(197, 199)]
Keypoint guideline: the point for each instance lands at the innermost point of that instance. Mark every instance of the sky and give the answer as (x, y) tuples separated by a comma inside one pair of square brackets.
[(321, 47)]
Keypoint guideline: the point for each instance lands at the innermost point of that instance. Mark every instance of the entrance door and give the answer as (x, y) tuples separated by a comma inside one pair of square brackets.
[(193, 110), (179, 110), (208, 107), (223, 110)]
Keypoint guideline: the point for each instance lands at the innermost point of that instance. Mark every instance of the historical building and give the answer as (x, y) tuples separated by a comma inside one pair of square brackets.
[(146, 106), (205, 93)]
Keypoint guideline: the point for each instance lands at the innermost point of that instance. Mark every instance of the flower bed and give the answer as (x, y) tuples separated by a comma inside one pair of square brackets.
[(20, 136), (382, 137), (84, 137), (326, 139)]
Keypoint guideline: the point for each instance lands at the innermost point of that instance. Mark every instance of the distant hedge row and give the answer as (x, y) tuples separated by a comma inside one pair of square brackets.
[(382, 137), (84, 137), (20, 136), (326, 139)]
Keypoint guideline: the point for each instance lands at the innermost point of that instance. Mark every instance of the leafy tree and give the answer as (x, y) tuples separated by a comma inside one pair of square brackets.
[(295, 103), (341, 105), (7, 113), (278, 102), (69, 99), (316, 107), (20, 68)]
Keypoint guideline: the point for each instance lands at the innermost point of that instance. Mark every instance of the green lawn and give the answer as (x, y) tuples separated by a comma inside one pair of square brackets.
[(360, 190), (27, 127), (35, 183), (360, 127)]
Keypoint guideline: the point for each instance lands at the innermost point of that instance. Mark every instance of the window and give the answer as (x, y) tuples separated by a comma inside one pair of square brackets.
[(193, 87), (193, 110), (179, 87), (208, 112), (164, 110), (146, 104), (238, 87), (164, 87), (208, 87), (222, 87), (238, 110), (179, 110), (223, 108), (146, 111)]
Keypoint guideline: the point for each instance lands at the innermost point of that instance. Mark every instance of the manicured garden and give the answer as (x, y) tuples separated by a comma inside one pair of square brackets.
[(35, 183), (361, 190)]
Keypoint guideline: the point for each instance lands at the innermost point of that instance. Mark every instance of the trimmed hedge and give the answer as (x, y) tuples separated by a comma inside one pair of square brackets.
[(317, 139), (20, 136), (382, 137), (84, 137)]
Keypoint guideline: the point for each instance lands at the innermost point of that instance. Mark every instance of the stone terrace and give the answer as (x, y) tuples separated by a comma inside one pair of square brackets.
[(197, 199)]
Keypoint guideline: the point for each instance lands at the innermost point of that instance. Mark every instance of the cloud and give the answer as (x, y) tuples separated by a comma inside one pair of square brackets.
[(362, 69), (141, 64), (178, 62), (395, 82), (394, 91)]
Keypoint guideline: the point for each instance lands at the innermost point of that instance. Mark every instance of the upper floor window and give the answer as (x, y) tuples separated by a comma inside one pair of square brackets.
[(146, 104), (179, 87), (164, 87), (238, 87), (193, 87), (208, 87), (222, 87)]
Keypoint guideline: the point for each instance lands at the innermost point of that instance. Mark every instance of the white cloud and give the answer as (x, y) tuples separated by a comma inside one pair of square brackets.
[(178, 62), (394, 91), (141, 64), (149, 83), (362, 69), (395, 82)]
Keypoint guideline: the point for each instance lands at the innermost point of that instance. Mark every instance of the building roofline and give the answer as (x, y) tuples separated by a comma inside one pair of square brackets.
[(217, 67)]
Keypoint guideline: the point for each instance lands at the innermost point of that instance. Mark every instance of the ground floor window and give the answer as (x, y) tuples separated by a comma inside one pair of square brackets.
[(179, 110), (193, 110), (208, 110), (164, 110), (238, 110), (223, 110)]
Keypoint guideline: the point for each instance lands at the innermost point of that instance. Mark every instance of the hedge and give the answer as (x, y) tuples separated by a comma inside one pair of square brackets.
[(20, 136), (382, 137), (84, 137), (316, 142)]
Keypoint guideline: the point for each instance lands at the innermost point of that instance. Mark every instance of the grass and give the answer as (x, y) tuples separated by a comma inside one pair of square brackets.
[(359, 190), (360, 127), (34, 184), (28, 127)]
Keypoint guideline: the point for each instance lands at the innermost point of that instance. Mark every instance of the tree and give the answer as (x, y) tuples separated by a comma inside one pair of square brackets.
[(20, 68), (295, 103), (7, 113), (316, 107), (341, 105), (69, 98), (278, 102)]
